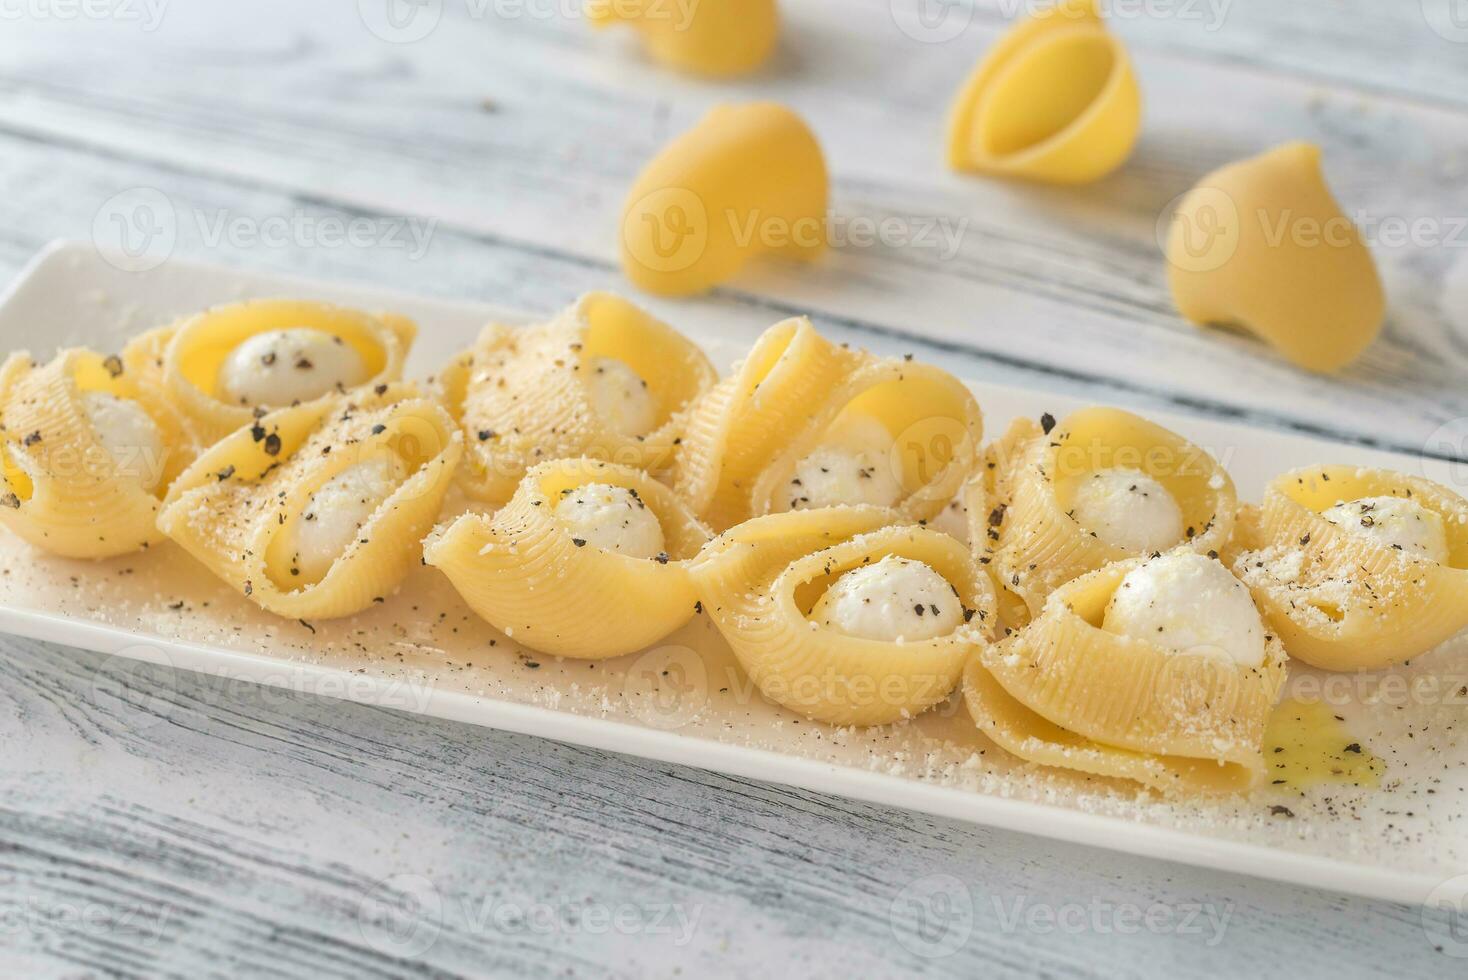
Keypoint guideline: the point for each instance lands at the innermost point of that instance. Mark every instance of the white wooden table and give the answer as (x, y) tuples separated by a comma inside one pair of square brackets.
[(166, 824)]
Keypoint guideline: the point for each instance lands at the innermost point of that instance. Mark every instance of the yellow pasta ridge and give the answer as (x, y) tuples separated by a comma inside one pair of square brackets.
[(1341, 601), (1041, 547), (62, 491), (735, 430), (521, 395), (935, 423), (759, 580), (200, 344), (1130, 694), (1029, 736), (524, 573), (229, 508)]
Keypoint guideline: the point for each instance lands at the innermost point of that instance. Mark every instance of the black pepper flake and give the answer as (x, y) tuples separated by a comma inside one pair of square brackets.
[(379, 429), (996, 516), (1281, 811), (113, 364), (10, 500), (272, 444), (1304, 539), (579, 542), (1212, 553), (307, 625), (268, 359), (486, 434), (919, 609), (697, 607), (249, 587), (380, 390), (661, 558), (257, 432), (1047, 422), (304, 364), (533, 664), (32, 438), (968, 614), (225, 473), (1354, 747)]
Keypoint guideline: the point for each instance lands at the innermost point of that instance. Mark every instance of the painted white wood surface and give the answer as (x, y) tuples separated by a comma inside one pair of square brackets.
[(162, 824)]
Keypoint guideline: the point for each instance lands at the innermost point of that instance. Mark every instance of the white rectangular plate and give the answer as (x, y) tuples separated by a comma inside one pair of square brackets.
[(687, 702)]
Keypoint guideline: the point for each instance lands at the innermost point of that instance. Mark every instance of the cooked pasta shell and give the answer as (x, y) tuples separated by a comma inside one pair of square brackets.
[(201, 344), (522, 397), (933, 423), (739, 425), (760, 580), (238, 505), (63, 489), (1027, 735), (1127, 694), (526, 573), (1342, 601), (1038, 544)]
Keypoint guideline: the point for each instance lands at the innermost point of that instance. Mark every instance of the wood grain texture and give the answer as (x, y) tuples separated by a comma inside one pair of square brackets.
[(161, 824)]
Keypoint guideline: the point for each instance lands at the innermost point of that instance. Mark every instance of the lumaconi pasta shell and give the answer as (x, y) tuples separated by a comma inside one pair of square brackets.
[(934, 422), (1130, 694), (717, 38), (760, 580), (61, 489), (521, 396), (1029, 736), (1038, 546), (524, 573), (1054, 100), (1341, 601), (200, 345), (229, 508), (738, 426)]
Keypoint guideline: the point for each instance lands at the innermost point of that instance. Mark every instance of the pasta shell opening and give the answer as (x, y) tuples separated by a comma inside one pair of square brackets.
[(201, 346), (1055, 100)]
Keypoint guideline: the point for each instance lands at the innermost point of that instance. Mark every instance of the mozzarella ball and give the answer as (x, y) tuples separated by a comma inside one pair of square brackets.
[(611, 518), (1188, 603), (620, 397), (953, 520), (284, 367), (833, 475), (336, 513), (895, 599), (1395, 522), (1128, 509), (129, 435)]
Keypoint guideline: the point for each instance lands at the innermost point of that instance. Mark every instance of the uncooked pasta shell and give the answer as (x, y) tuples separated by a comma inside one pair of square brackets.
[(760, 580), (1341, 601), (525, 573)]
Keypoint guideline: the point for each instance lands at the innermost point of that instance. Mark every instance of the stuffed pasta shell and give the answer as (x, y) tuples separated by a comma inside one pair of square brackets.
[(1158, 670), (803, 423), (224, 365), (603, 380), (843, 616), (588, 559), (319, 510), (86, 454), (1102, 485), (1357, 568)]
